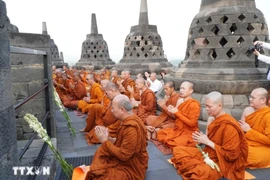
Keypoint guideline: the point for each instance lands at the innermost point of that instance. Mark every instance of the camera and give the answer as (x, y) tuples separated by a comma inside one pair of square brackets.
[(258, 47)]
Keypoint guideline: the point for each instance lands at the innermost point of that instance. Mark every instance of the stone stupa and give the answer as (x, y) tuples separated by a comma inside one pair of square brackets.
[(95, 52), (56, 60), (143, 47), (218, 56)]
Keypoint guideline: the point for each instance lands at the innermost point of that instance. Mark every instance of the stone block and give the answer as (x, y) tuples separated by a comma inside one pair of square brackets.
[(27, 135), (29, 40), (27, 129), (25, 59), (27, 73), (240, 101), (19, 132), (20, 91), (5, 86), (34, 86), (205, 115), (237, 113), (228, 101)]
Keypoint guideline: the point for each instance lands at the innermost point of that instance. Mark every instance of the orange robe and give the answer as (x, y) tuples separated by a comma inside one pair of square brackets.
[(128, 82), (69, 91), (259, 138), (79, 92), (127, 158), (115, 80), (230, 154), (100, 116), (165, 119), (186, 123), (148, 105), (59, 81), (96, 95)]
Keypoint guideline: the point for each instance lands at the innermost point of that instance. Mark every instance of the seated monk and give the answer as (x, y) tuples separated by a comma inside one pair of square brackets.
[(187, 115), (124, 158), (127, 82), (165, 119), (147, 105), (255, 123), (59, 83), (225, 145), (100, 116), (79, 92), (114, 77), (68, 83), (96, 94)]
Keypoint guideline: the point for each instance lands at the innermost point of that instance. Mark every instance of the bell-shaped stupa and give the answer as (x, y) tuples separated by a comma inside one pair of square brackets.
[(218, 56), (95, 52), (143, 47)]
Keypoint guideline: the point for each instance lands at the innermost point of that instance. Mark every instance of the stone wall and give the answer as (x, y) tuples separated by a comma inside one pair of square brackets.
[(28, 77)]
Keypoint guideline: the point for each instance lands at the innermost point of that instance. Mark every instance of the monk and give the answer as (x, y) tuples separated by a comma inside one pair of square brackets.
[(68, 84), (100, 116), (127, 157), (115, 77), (187, 115), (79, 92), (95, 93), (256, 125), (147, 105), (165, 119), (224, 142), (59, 83), (128, 82)]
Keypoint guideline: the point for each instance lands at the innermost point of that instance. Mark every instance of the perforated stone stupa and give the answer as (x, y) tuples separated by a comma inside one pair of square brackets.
[(217, 55), (56, 60), (95, 52), (143, 46)]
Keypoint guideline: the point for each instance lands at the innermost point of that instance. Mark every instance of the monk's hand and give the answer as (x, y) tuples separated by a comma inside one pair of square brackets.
[(130, 89), (134, 102), (101, 133), (161, 102), (172, 109), (86, 99), (245, 126), (200, 138), (112, 140)]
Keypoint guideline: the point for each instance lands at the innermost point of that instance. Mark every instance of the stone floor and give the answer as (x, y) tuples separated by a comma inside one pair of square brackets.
[(158, 166)]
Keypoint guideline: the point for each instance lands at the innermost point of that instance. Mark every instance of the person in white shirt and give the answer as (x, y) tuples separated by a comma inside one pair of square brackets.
[(155, 84), (262, 57)]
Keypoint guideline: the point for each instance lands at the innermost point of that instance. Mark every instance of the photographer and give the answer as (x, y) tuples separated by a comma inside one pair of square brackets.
[(262, 57)]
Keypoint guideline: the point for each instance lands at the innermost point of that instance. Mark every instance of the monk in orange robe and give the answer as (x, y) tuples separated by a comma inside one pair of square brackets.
[(114, 77), (59, 83), (147, 104), (128, 82), (100, 116), (256, 125), (165, 119), (187, 115), (96, 94), (124, 158), (224, 142), (79, 92)]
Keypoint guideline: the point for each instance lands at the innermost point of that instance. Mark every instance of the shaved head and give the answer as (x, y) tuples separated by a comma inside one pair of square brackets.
[(111, 86), (262, 92), (215, 97), (140, 80), (189, 84), (122, 101), (90, 76)]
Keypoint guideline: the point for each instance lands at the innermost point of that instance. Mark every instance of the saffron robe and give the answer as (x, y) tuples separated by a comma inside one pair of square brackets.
[(185, 124), (230, 153), (258, 138), (148, 105), (127, 158), (128, 82), (165, 119), (96, 95), (59, 81), (79, 92)]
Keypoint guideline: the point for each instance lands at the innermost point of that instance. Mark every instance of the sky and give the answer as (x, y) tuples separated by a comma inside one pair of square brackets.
[(68, 22)]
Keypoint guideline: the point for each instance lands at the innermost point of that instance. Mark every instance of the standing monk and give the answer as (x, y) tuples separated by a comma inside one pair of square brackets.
[(165, 119), (224, 142), (187, 115), (256, 125), (147, 105)]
